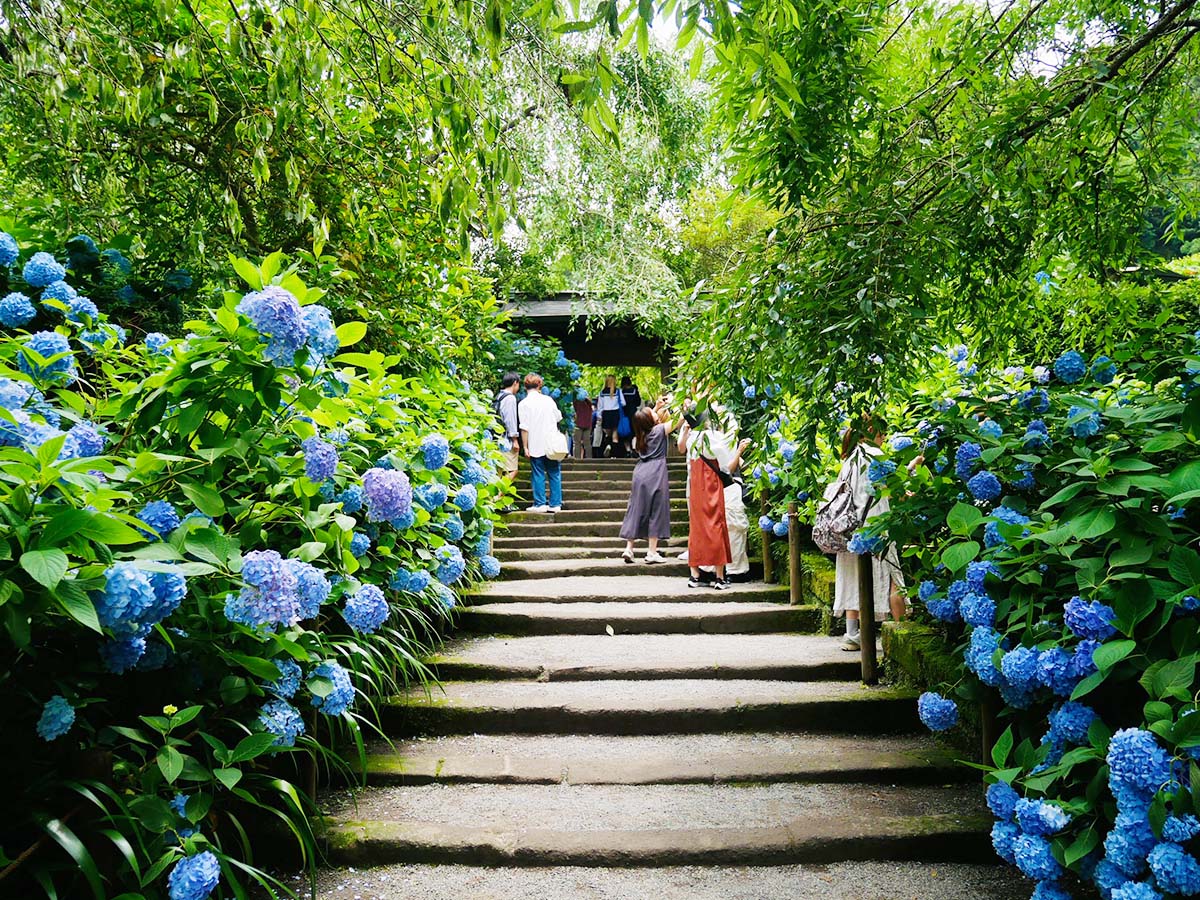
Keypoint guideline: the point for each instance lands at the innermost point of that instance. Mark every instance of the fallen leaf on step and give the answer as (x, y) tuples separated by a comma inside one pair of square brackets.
[(609, 629)]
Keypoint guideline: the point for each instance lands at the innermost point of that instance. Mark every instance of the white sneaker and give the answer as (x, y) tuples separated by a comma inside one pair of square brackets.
[(538, 509), (851, 643), (555, 509), (655, 557)]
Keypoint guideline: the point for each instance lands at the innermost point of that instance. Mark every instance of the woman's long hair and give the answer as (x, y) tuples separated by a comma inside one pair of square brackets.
[(610, 385), (643, 424)]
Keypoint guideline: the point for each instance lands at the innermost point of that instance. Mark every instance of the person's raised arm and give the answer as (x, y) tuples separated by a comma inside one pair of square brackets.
[(736, 462), (684, 433)]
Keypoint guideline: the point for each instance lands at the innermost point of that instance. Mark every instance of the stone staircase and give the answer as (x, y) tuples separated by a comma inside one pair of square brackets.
[(598, 714)]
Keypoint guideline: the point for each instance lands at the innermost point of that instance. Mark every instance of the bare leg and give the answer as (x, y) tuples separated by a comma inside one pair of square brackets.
[(896, 602), (629, 545), (720, 573), (653, 545), (695, 571)]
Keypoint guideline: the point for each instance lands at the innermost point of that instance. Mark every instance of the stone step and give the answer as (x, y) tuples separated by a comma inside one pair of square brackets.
[(856, 880), (611, 514), (617, 493), (504, 541), (618, 501), (564, 555), (609, 564), (666, 759), (682, 706), (646, 586), (608, 529), (773, 657), (607, 825), (714, 617)]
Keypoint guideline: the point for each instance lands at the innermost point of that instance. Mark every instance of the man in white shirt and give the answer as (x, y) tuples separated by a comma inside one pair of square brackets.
[(539, 416)]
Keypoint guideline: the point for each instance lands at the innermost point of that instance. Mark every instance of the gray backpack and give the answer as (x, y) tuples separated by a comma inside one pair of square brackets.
[(837, 517)]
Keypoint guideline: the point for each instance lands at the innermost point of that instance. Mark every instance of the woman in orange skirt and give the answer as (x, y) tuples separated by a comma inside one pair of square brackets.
[(708, 534)]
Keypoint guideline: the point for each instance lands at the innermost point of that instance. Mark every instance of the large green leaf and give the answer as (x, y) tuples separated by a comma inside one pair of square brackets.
[(46, 567)]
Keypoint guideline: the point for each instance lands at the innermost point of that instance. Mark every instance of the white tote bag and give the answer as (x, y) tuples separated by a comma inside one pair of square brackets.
[(556, 448)]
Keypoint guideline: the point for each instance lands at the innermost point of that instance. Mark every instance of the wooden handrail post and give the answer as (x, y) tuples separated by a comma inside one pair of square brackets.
[(866, 618), (795, 569), (768, 561)]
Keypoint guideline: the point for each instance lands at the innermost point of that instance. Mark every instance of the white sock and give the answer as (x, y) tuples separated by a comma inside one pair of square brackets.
[(851, 627)]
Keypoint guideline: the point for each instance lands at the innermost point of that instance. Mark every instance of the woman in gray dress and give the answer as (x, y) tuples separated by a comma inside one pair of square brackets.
[(648, 516)]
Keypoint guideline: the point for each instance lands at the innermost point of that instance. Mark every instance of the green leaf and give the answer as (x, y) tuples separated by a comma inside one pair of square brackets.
[(1175, 679), (964, 518), (350, 333), (1108, 655), (309, 550), (69, 841), (206, 499), (107, 530), (1092, 524), (1184, 566), (255, 665), (956, 556), (170, 762), (1087, 841), (228, 777), (1168, 441), (46, 567), (1002, 748), (1088, 685), (62, 526), (248, 272), (74, 601), (251, 746)]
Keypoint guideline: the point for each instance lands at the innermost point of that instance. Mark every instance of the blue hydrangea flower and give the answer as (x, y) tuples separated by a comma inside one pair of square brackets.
[(1003, 836), (156, 344), (453, 528), (1070, 367), (489, 566), (900, 442), (958, 354), (419, 581), (179, 804), (161, 516), (1108, 878), (115, 262), (466, 497), (366, 609), (864, 544), (1055, 671), (1088, 426), (966, 457), (9, 251), (1037, 436), (404, 521), (320, 334), (450, 564), (1002, 800), (1136, 762), (288, 681), (16, 309), (749, 392), (156, 657), (926, 590), (1048, 890), (435, 451), (359, 544), (399, 580), (765, 523), (991, 429), (340, 698), (84, 439), (788, 450), (127, 599), (14, 394), (276, 316), (937, 713), (474, 473), (170, 588), (1133, 890), (388, 494), (320, 458), (351, 498), (1027, 481), (977, 573), (47, 344), (122, 654), (880, 469), (1039, 817), (60, 291), (194, 877), (269, 595), (42, 269), (1104, 370), (1129, 843), (105, 336), (1035, 400), (282, 719), (985, 642), (1175, 870), (1089, 620), (780, 529), (1180, 829), (978, 609), (57, 718), (312, 587), (991, 533), (431, 496), (1020, 668), (984, 486), (944, 610), (1033, 857)]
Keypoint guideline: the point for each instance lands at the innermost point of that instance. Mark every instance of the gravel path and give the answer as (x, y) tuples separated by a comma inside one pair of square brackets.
[(846, 881)]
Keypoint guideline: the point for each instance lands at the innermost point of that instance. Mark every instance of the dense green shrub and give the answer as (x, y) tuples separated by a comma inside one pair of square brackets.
[(217, 554), (1048, 520)]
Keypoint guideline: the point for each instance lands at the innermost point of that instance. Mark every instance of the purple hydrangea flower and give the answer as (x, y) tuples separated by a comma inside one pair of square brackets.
[(388, 494), (276, 316), (366, 609), (269, 595), (320, 458)]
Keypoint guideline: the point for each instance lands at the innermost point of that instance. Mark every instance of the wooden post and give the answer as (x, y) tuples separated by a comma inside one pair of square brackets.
[(795, 569), (768, 561), (866, 618)]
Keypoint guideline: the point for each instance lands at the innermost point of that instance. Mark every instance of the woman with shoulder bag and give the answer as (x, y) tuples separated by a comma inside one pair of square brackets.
[(737, 521), (708, 533)]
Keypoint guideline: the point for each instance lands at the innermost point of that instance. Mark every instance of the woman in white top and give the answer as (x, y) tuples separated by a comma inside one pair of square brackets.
[(609, 404), (860, 443)]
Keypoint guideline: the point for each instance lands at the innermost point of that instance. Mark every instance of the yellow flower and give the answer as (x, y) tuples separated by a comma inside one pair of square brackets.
[(170, 710)]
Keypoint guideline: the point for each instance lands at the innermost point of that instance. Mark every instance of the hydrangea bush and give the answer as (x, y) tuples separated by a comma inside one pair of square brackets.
[(212, 568), (1049, 518)]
